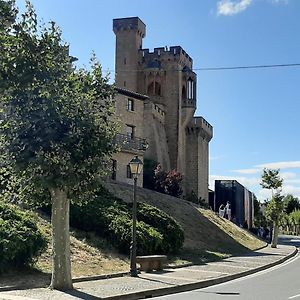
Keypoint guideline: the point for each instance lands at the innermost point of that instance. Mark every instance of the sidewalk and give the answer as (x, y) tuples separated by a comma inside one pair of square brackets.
[(166, 282)]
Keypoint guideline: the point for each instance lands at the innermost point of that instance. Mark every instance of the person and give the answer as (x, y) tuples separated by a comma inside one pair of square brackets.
[(222, 210), (228, 211)]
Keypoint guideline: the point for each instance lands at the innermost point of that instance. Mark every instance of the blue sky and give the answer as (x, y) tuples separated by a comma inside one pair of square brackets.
[(254, 112)]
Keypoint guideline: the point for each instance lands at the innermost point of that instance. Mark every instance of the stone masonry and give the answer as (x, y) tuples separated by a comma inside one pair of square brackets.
[(177, 139)]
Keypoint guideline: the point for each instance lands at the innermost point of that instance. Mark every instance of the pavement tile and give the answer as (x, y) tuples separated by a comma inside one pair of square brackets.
[(161, 282)]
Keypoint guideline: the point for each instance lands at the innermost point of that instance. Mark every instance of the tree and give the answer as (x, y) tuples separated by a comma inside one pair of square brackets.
[(291, 203), (57, 128), (271, 180)]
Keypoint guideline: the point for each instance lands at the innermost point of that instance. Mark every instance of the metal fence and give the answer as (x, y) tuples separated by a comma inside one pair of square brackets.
[(126, 142)]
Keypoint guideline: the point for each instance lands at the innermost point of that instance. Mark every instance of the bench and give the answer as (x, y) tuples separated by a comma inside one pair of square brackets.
[(151, 262)]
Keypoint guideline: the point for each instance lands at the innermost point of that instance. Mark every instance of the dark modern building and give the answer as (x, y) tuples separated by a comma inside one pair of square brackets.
[(241, 201)]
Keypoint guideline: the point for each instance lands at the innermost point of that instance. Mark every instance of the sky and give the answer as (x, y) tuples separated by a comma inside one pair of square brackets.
[(254, 112)]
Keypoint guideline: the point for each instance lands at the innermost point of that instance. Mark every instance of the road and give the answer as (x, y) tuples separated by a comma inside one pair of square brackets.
[(278, 283)]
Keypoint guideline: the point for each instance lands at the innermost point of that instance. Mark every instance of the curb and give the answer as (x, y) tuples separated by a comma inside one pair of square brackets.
[(98, 277), (197, 285)]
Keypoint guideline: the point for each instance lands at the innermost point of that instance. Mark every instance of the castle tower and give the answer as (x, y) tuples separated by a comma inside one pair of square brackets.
[(129, 36), (176, 138)]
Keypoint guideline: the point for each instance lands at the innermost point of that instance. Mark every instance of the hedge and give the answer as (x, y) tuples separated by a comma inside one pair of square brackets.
[(108, 216), (20, 239)]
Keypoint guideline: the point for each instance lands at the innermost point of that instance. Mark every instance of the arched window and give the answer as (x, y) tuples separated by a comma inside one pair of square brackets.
[(150, 90), (190, 89), (154, 88), (157, 89)]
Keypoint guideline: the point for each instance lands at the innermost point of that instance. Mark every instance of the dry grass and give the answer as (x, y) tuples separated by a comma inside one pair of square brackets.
[(90, 255), (207, 238)]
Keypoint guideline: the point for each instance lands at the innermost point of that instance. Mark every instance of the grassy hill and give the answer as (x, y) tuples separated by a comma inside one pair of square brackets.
[(207, 237)]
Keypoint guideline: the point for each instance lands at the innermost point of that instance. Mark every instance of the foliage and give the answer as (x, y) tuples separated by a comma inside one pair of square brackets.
[(110, 217), (167, 182), (171, 231), (57, 127), (294, 217), (291, 203), (274, 210), (271, 179), (148, 173), (20, 239), (259, 218), (192, 197)]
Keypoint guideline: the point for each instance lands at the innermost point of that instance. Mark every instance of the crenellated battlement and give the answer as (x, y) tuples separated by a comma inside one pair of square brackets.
[(165, 53), (200, 126), (134, 23)]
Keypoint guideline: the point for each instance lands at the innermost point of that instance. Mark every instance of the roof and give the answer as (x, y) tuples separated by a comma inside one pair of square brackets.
[(129, 93)]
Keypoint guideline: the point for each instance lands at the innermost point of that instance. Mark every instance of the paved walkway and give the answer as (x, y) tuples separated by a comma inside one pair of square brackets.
[(165, 282)]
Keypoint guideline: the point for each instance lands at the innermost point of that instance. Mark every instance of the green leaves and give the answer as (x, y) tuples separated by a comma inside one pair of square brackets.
[(271, 179), (58, 123)]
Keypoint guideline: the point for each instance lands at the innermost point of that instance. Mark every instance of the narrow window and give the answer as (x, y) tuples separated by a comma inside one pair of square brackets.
[(124, 83), (130, 131), (150, 90), (128, 171), (190, 89), (183, 92), (130, 104), (125, 61), (114, 170), (157, 89)]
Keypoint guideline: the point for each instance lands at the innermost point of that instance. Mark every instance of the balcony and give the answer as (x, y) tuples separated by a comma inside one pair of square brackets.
[(127, 142)]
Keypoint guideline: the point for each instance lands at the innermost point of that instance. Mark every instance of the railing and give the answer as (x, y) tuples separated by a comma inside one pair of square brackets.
[(126, 142)]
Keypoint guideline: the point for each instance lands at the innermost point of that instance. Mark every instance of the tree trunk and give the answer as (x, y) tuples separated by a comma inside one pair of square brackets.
[(61, 258), (275, 235)]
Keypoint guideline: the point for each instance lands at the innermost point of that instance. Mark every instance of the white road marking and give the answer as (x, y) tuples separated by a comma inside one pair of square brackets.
[(295, 296)]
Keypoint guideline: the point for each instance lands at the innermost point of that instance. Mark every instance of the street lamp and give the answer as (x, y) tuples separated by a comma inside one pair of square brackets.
[(136, 166)]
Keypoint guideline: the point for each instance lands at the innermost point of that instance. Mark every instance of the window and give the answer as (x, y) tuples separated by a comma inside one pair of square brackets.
[(183, 92), (128, 171), (114, 170), (130, 131), (130, 104), (125, 61), (190, 89)]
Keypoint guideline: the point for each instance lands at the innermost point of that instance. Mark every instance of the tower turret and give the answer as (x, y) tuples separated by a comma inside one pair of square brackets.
[(129, 37)]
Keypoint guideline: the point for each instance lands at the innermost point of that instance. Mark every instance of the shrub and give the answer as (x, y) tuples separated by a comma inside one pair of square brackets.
[(110, 217), (20, 239), (167, 182), (171, 231)]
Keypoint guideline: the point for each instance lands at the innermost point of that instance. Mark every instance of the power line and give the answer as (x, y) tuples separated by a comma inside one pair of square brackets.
[(246, 67), (221, 68)]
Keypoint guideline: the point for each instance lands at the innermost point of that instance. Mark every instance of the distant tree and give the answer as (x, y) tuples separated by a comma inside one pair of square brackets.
[(56, 127), (259, 218), (167, 182), (291, 203), (271, 180)]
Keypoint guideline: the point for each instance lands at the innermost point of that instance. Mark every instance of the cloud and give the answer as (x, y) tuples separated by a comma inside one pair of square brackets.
[(281, 165), (280, 1), (248, 171), (230, 7)]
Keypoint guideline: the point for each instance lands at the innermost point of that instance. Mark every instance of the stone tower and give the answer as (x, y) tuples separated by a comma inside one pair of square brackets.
[(129, 35), (177, 139)]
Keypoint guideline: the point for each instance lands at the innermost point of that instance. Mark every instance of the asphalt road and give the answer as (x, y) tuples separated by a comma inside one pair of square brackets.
[(278, 283)]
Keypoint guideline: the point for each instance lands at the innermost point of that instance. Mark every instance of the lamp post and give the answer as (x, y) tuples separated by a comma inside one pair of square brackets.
[(136, 166)]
